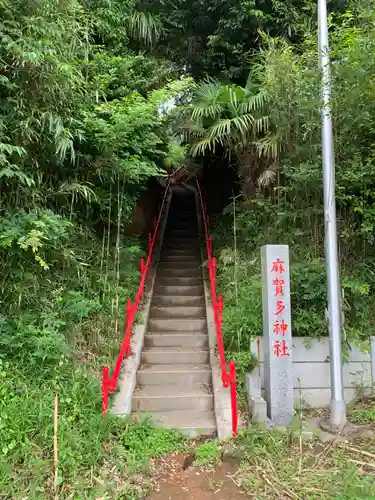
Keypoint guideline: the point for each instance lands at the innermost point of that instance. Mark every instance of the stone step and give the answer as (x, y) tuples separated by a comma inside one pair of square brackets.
[(172, 248), (163, 280), (171, 339), (175, 355), (179, 272), (187, 232), (179, 290), (178, 240), (180, 257), (179, 251), (197, 325), (178, 213), (187, 375), (192, 423), (178, 300), (186, 240), (185, 223), (177, 261), (178, 311), (180, 243), (172, 398), (178, 265), (175, 376)]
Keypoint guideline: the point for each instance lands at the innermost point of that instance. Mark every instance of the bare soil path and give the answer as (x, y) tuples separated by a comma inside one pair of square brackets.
[(178, 482)]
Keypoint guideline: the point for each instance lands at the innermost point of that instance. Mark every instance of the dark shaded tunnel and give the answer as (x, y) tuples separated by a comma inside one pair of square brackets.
[(218, 180)]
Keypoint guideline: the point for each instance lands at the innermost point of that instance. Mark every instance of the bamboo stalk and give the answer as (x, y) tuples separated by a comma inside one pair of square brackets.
[(55, 444), (102, 253), (108, 239)]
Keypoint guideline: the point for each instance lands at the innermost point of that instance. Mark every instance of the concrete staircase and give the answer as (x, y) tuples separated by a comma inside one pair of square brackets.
[(174, 379)]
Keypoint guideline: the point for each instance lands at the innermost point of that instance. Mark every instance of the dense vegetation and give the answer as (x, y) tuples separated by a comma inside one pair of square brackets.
[(81, 133), (271, 130), (84, 125)]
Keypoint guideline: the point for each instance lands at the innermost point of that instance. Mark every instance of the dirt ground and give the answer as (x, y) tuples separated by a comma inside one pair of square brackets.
[(175, 482)]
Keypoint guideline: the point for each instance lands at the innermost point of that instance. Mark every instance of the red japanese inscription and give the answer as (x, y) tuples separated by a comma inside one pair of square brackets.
[(280, 328), (279, 287), (280, 306), (280, 349), (278, 266)]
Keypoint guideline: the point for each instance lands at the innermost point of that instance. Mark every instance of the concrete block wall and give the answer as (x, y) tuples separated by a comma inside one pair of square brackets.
[(311, 371)]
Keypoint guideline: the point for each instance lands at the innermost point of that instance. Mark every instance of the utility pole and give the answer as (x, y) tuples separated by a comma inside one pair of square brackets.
[(338, 414)]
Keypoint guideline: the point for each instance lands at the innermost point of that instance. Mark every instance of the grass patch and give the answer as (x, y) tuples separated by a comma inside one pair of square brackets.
[(362, 411), (273, 466), (97, 456), (208, 454), (58, 344)]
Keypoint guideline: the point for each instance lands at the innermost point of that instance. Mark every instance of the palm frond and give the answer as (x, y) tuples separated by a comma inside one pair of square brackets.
[(231, 126), (78, 189), (254, 102), (203, 145), (208, 90), (144, 26), (232, 95), (261, 124), (268, 177), (269, 146), (201, 110)]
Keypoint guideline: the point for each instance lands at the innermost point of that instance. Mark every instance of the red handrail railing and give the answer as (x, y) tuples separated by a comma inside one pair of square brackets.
[(228, 378), (109, 384)]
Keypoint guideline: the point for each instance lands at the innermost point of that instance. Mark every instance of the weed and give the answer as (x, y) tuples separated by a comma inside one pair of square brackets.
[(208, 454), (58, 346), (362, 412), (272, 467), (145, 440)]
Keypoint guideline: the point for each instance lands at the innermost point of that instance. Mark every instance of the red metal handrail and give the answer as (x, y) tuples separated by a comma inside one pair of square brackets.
[(228, 378), (109, 384)]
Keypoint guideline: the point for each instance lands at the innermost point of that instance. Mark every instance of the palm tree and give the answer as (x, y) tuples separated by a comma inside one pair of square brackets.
[(233, 118)]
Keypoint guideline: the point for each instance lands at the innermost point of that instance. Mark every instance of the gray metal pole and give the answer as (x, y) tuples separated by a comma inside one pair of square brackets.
[(338, 415)]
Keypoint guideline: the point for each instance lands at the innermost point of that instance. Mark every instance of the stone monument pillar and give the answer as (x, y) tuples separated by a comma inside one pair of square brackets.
[(277, 334)]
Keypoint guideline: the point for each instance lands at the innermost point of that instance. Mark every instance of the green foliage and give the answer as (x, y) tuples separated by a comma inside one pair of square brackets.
[(208, 454), (115, 451), (218, 38), (362, 411), (288, 207), (229, 118), (146, 441), (86, 119), (58, 344), (81, 133)]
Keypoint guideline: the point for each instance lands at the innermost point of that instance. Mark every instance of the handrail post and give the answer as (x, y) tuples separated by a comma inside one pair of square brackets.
[(233, 395), (228, 379), (142, 265)]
